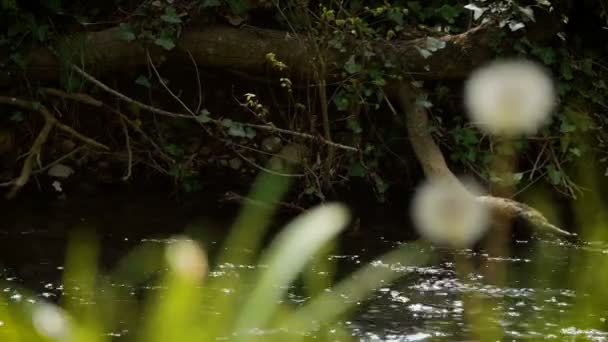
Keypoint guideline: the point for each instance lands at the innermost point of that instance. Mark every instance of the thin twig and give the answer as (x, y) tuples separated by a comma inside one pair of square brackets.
[(143, 134), (266, 169), (125, 130), (125, 98), (49, 122), (214, 121), (75, 133), (198, 82), (164, 84), (79, 97)]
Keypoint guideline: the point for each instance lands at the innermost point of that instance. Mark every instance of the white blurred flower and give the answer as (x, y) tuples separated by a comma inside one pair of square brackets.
[(187, 258), (50, 321), (448, 214), (510, 97)]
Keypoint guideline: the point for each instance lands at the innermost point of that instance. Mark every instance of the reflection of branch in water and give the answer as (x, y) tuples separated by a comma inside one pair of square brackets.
[(231, 196)]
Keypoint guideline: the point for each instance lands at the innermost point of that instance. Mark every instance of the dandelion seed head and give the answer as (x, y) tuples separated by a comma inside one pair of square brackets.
[(187, 259), (510, 97), (50, 321), (447, 213)]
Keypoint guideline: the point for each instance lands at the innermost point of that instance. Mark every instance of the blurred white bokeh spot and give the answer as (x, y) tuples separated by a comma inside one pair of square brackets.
[(187, 258), (510, 97), (447, 213), (50, 321)]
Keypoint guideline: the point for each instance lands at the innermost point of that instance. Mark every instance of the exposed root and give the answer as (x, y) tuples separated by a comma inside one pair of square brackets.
[(49, 123), (434, 165)]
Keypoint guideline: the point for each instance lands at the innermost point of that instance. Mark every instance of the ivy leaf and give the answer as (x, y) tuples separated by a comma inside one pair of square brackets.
[(576, 151), (434, 44), (341, 102), (547, 55), (16, 117), (425, 53), (171, 16), (143, 81), (515, 26), (250, 133), (517, 177), (356, 170), (166, 42), (566, 71), (125, 32), (449, 13), (477, 11), (173, 150), (227, 123), (354, 126), (237, 130), (565, 127), (238, 6), (395, 16), (203, 117), (555, 176), (351, 66)]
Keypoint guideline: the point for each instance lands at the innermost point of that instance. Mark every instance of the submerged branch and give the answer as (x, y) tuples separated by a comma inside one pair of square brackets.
[(434, 166)]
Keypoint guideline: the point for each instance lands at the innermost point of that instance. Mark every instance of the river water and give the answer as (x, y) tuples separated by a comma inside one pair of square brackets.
[(535, 301)]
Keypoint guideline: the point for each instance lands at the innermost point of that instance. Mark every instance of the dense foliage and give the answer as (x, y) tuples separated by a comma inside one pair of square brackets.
[(345, 101)]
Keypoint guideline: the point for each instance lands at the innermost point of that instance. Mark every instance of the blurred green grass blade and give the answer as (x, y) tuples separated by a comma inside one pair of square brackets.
[(320, 274), (255, 216), (330, 306), (243, 241), (80, 283), (136, 269), (173, 315), (11, 328), (291, 250)]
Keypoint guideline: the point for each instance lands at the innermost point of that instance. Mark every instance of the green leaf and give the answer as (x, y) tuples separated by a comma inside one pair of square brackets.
[(351, 66), (170, 16), (449, 13), (238, 6), (354, 126), (546, 54), (566, 71), (576, 151), (286, 257), (517, 177), (250, 133), (173, 150), (9, 5), (125, 32), (356, 170), (16, 117), (203, 117), (342, 102), (566, 127), (396, 16), (555, 176), (237, 130), (143, 81), (166, 42), (227, 123)]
